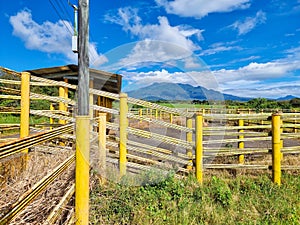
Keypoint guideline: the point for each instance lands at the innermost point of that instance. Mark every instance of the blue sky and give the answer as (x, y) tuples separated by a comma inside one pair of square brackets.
[(248, 48)]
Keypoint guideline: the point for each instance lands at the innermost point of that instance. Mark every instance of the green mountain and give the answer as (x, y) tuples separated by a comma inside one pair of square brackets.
[(173, 91)]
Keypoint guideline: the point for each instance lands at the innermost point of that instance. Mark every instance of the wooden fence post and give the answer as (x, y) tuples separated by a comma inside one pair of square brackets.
[(91, 100), (276, 149), (102, 146), (199, 148), (241, 144), (25, 104), (61, 105), (189, 138), (82, 169), (262, 120), (141, 114), (123, 133), (171, 117), (295, 122), (51, 120), (66, 94)]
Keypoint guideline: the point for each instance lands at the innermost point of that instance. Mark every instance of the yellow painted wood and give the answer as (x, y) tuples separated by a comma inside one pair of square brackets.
[(241, 144), (91, 99), (82, 170), (25, 104), (123, 133), (171, 118), (199, 148), (61, 105), (281, 140), (141, 114), (66, 94), (51, 120), (189, 138), (276, 149), (102, 146)]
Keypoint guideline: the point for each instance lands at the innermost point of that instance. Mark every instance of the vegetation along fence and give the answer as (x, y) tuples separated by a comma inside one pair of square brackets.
[(139, 136)]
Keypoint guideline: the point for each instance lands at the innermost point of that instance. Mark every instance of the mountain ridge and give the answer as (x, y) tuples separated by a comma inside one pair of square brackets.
[(178, 91)]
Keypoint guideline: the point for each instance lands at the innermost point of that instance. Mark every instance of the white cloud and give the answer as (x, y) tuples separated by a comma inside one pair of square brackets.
[(154, 51), (163, 31), (264, 92), (201, 8), (53, 38), (219, 47), (249, 23), (195, 78), (250, 58), (257, 71), (159, 42), (259, 79)]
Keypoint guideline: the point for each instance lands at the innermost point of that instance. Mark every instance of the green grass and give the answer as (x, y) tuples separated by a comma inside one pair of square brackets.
[(241, 200), (15, 119), (11, 118)]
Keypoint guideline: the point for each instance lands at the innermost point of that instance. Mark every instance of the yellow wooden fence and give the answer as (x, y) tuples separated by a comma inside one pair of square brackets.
[(132, 147)]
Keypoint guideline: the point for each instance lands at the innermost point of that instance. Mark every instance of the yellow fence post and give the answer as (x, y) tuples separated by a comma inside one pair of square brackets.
[(51, 120), (189, 138), (61, 105), (171, 118), (102, 146), (141, 114), (91, 99), (241, 144), (66, 94), (276, 149), (281, 140), (123, 133), (156, 114), (82, 169), (25, 105), (199, 148), (295, 122), (262, 120)]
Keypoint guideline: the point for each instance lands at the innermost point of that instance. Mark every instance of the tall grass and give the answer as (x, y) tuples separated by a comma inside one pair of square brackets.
[(243, 200)]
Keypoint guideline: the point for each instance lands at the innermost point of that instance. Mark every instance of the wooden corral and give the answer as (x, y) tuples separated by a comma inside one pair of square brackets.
[(99, 80)]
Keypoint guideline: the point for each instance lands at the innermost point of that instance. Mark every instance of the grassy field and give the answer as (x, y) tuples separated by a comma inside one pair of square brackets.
[(241, 200)]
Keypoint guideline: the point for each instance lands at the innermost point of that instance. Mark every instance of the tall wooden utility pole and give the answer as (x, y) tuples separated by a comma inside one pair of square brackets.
[(83, 119), (83, 58)]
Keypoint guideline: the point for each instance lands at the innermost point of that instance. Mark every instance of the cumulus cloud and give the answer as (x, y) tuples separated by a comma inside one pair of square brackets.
[(130, 21), (201, 8), (47, 37), (156, 39), (195, 78), (258, 79), (276, 91), (257, 71), (245, 26)]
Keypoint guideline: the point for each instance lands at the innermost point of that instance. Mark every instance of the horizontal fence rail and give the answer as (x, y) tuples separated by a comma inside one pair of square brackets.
[(36, 190), (10, 148), (207, 138)]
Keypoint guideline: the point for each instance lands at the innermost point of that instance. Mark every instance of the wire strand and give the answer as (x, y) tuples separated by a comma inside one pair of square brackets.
[(60, 16)]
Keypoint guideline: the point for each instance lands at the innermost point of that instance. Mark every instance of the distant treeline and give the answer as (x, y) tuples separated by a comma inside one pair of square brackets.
[(257, 103)]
